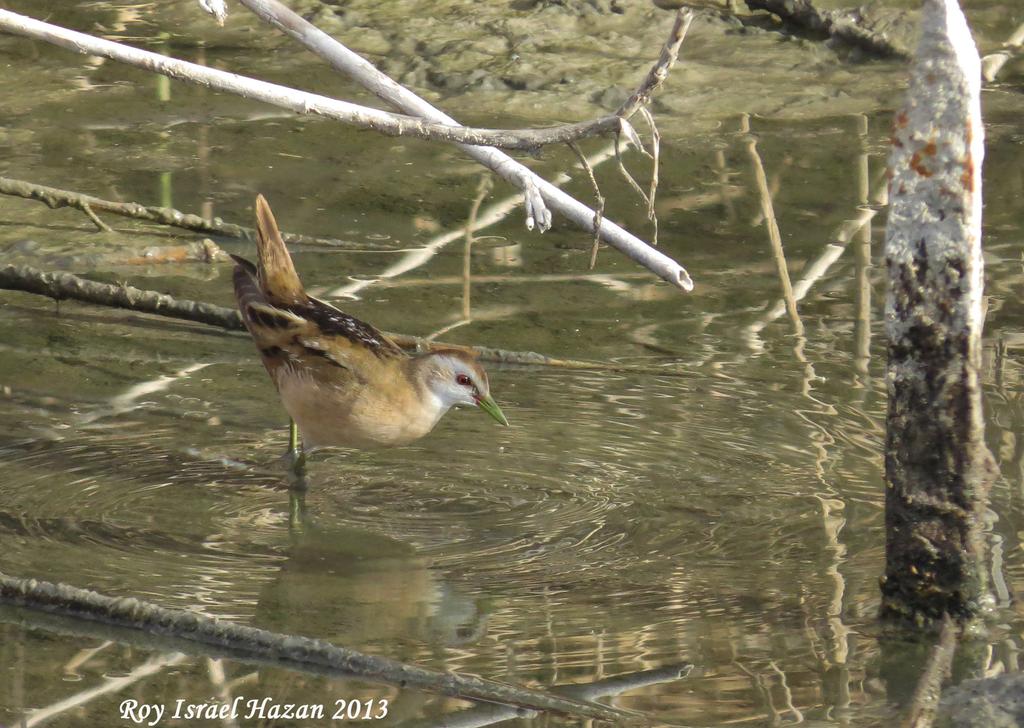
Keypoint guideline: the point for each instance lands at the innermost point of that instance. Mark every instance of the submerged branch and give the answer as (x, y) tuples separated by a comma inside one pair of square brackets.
[(843, 25), (929, 687), (54, 198), (485, 715), (67, 286), (258, 645), (62, 286)]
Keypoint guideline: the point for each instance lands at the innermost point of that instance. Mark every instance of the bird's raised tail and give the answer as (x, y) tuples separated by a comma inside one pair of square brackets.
[(276, 273)]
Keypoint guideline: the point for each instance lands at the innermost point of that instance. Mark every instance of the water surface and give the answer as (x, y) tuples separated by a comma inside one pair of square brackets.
[(721, 507)]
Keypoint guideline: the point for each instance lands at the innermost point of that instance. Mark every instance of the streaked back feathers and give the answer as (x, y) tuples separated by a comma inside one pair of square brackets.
[(278, 312)]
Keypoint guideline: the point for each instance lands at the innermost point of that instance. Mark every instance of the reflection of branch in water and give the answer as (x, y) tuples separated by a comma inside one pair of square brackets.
[(815, 270), (492, 215), (215, 671), (862, 261), (482, 190), (937, 669), (772, 225), (72, 666), (798, 716), (722, 168), (847, 26), (993, 63), (485, 715), (694, 201), (833, 521), (822, 439), (59, 607), (758, 681), (129, 399), (109, 685)]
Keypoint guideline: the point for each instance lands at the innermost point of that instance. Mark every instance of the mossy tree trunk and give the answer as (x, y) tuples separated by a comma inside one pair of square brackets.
[(937, 466)]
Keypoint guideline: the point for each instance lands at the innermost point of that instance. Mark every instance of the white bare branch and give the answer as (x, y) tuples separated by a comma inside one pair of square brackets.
[(431, 123)]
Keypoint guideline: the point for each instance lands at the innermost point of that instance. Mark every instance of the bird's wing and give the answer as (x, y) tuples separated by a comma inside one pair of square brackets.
[(308, 335), (334, 323)]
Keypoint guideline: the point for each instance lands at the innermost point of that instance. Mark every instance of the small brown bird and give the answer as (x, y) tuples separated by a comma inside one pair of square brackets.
[(342, 381)]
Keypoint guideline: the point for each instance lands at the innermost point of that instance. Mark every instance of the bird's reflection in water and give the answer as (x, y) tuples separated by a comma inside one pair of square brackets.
[(357, 588)]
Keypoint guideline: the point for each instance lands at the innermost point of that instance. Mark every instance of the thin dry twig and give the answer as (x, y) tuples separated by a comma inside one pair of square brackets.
[(599, 211), (659, 72), (655, 161), (816, 269), (482, 190), (102, 226), (627, 176), (638, 101)]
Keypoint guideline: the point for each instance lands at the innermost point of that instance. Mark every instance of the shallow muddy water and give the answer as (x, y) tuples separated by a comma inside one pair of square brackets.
[(722, 507)]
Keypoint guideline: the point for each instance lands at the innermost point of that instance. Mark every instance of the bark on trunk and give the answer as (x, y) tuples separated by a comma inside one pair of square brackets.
[(937, 466)]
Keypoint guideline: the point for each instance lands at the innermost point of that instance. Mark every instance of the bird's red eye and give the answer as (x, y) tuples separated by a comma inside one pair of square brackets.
[(462, 379)]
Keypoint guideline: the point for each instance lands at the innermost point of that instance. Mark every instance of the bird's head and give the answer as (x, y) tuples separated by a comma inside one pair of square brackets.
[(456, 377)]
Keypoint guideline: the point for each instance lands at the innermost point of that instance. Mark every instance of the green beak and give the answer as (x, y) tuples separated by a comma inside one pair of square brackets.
[(488, 405)]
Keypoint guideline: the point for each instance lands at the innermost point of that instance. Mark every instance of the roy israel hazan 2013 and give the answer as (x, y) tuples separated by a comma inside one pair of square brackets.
[(150, 714)]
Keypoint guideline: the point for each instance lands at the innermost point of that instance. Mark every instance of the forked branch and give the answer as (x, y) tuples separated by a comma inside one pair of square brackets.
[(424, 121)]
